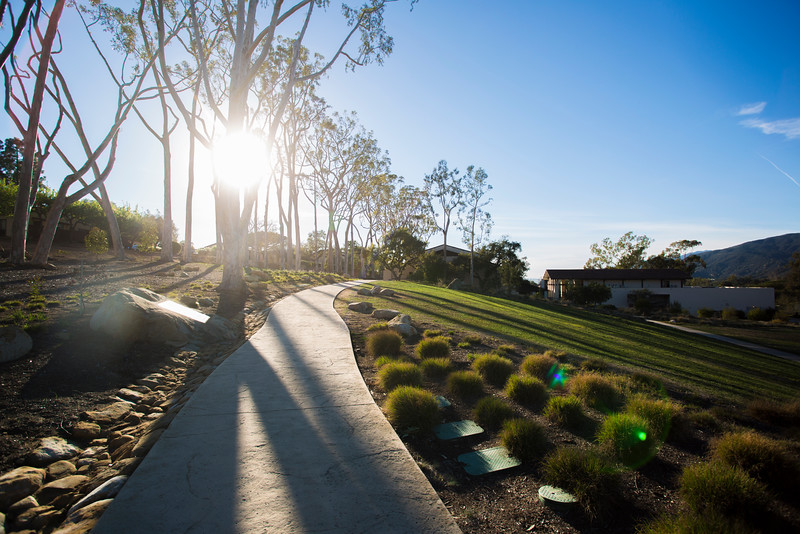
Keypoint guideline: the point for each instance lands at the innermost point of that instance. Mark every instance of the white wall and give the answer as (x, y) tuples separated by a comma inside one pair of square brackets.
[(715, 298)]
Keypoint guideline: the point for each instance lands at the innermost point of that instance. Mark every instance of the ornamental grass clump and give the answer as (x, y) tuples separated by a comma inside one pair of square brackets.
[(657, 412), (720, 488), (628, 438), (436, 368), (434, 347), (473, 339), (431, 333), (493, 368), (378, 326), (596, 391), (408, 407), (766, 460), (395, 374), (565, 411), (384, 343), (526, 390), (383, 360), (589, 476), (491, 412), (524, 439), (539, 365), (465, 384)]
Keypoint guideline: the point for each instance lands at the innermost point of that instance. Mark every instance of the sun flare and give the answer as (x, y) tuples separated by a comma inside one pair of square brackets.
[(240, 159)]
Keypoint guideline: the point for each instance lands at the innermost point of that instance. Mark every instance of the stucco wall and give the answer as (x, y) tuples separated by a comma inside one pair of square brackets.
[(715, 298)]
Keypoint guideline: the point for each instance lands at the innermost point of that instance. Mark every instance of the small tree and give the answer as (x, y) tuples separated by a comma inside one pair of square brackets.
[(96, 241), (401, 249), (591, 294)]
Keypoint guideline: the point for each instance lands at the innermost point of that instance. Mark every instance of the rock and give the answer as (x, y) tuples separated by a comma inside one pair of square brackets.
[(188, 300), (36, 518), (135, 314), (365, 292), (50, 492), (385, 314), (60, 469), (51, 450), (360, 307), (119, 441), (251, 278), (14, 343), (376, 290), (218, 329), (206, 302), (110, 414), (82, 520), (146, 442), (402, 325), (86, 431), (22, 505), (106, 490), (386, 292), (2, 523)]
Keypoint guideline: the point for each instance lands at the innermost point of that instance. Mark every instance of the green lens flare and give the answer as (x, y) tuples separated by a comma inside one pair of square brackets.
[(642, 435)]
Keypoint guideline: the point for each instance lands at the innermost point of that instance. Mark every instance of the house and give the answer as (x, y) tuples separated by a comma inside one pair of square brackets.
[(665, 287), (452, 252)]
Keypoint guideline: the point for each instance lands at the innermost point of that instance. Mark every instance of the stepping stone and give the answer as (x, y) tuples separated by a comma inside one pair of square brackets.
[(488, 461), (443, 403), (557, 498), (458, 429)]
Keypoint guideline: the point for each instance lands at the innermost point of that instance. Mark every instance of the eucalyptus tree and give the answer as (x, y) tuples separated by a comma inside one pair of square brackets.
[(443, 192), (17, 24), (473, 221), (247, 30)]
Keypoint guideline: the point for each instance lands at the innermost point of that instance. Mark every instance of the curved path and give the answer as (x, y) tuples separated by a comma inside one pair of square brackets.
[(284, 436)]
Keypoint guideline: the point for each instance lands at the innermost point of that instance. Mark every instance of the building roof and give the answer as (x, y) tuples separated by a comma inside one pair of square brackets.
[(615, 274), (450, 249)]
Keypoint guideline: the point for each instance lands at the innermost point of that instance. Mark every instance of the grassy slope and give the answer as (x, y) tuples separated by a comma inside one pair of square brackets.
[(692, 361), (785, 338)]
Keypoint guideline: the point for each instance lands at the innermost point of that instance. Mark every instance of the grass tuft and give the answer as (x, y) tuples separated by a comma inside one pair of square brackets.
[(565, 411), (723, 489), (384, 343), (526, 390), (408, 407), (628, 438), (491, 412), (473, 339), (431, 333), (383, 360), (436, 368), (506, 349), (465, 384), (524, 439), (493, 368), (656, 412), (378, 326), (539, 365), (396, 374), (434, 347), (596, 391)]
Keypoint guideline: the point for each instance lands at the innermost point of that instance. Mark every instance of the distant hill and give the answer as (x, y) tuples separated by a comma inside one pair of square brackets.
[(764, 258)]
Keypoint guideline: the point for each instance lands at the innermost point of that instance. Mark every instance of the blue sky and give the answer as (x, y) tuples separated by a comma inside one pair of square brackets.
[(678, 120)]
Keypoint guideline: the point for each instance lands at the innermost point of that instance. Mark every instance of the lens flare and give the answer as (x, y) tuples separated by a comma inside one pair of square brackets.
[(240, 159), (642, 435), (557, 377)]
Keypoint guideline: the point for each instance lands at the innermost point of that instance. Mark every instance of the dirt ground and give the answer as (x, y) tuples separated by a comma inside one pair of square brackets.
[(71, 368), (507, 501)]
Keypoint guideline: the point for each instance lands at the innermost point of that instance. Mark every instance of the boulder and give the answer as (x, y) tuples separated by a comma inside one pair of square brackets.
[(188, 300), (36, 518), (106, 490), (23, 504), (19, 483), (218, 329), (130, 395), (110, 414), (365, 292), (386, 292), (385, 314), (206, 302), (52, 491), (136, 314), (82, 520), (51, 450), (360, 307), (402, 325), (60, 469), (14, 343), (86, 431)]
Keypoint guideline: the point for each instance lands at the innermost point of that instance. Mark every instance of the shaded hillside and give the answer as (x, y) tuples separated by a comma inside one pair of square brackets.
[(764, 258)]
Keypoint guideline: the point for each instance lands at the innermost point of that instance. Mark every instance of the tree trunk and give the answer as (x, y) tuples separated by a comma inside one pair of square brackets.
[(113, 226), (42, 250), (19, 225), (187, 247)]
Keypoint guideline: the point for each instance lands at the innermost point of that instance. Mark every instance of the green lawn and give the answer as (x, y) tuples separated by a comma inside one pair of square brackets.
[(710, 366), (780, 337)]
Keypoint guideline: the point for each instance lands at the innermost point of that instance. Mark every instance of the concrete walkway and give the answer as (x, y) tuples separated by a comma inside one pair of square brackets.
[(740, 343), (282, 437)]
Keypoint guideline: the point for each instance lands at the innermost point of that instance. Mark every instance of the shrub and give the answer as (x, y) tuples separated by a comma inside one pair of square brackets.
[(526, 390), (705, 313), (96, 241), (409, 407), (589, 476), (566, 411), (384, 343), (378, 326), (591, 294), (524, 439), (432, 333), (493, 368), (434, 347), (436, 368), (539, 365), (757, 314), (724, 489), (628, 438), (465, 384), (730, 314), (397, 374), (596, 391), (490, 412), (764, 459), (383, 360), (657, 413)]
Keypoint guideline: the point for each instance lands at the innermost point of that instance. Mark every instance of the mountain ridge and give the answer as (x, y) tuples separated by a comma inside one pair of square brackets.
[(762, 258)]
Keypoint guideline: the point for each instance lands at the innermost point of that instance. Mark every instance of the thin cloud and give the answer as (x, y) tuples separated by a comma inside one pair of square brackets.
[(788, 127), (752, 109), (782, 171)]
